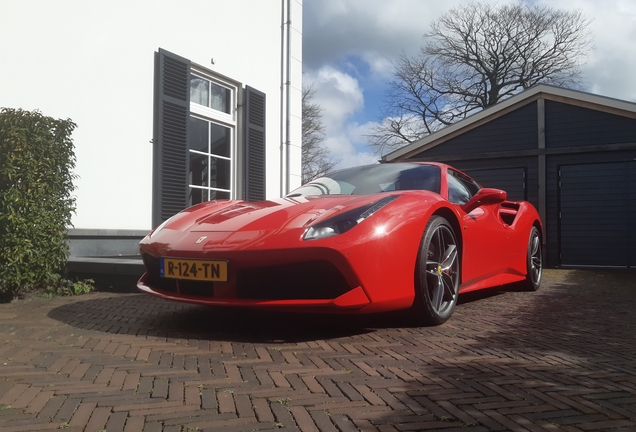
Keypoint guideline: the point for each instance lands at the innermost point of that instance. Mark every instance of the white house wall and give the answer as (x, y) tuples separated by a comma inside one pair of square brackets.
[(93, 62)]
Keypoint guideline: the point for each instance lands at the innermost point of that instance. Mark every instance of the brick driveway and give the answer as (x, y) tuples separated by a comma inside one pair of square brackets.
[(560, 359)]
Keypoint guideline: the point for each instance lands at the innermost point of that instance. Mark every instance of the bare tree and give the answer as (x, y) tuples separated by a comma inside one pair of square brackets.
[(474, 56), (316, 160)]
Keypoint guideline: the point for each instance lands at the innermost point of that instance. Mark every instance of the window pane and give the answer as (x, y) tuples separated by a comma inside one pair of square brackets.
[(219, 195), (198, 135), (457, 192), (220, 140), (199, 90), (197, 196), (220, 173), (220, 98), (198, 169)]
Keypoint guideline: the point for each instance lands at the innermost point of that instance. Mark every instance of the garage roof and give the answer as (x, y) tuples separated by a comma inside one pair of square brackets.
[(541, 91)]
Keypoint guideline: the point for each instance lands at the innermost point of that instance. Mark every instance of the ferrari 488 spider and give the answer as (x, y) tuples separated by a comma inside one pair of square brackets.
[(366, 239)]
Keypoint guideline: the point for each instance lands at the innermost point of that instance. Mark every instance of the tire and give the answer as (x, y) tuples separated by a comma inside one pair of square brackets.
[(534, 261), (437, 274)]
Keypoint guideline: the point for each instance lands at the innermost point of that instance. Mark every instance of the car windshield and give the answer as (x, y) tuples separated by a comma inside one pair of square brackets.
[(371, 179)]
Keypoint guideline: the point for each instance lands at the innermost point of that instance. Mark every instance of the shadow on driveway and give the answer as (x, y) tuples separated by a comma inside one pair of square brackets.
[(141, 314), (571, 303)]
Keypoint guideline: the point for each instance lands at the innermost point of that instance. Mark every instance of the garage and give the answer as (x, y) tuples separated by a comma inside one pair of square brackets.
[(571, 154)]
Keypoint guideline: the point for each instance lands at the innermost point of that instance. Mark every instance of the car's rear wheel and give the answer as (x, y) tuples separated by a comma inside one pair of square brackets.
[(437, 273), (534, 261)]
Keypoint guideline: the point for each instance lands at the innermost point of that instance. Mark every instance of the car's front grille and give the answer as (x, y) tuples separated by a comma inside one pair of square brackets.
[(196, 288), (311, 280)]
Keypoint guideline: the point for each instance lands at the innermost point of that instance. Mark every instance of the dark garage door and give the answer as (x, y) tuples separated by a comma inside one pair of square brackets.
[(598, 214), (512, 180)]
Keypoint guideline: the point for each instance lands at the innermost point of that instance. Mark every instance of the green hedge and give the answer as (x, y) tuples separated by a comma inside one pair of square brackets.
[(37, 159)]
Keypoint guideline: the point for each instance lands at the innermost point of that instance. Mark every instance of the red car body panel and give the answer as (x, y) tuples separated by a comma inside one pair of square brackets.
[(373, 264)]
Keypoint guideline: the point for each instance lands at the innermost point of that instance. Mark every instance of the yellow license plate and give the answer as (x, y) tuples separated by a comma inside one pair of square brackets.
[(192, 269)]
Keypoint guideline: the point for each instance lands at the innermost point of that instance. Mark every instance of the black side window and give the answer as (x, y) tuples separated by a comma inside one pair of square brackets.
[(457, 192), (460, 188)]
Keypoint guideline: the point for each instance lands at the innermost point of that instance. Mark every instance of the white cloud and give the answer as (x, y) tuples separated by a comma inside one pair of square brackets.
[(337, 93), (340, 98), (381, 66)]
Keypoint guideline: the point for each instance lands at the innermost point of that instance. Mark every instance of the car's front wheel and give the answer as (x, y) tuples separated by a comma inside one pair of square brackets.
[(437, 273)]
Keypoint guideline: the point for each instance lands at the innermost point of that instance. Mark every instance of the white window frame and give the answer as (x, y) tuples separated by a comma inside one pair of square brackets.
[(222, 119)]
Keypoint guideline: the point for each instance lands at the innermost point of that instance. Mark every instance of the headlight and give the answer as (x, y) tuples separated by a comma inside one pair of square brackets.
[(343, 222)]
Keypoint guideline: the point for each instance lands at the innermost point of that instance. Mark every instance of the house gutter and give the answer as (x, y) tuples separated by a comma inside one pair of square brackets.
[(287, 107), (282, 98), (285, 95)]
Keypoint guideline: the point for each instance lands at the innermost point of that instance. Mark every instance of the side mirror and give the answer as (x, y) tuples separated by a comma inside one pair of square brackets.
[(483, 197)]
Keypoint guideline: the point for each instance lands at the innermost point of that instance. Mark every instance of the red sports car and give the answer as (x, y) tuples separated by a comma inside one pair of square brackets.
[(365, 239)]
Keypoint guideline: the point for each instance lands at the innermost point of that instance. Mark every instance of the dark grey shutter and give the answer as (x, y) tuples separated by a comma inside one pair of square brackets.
[(254, 144), (171, 115)]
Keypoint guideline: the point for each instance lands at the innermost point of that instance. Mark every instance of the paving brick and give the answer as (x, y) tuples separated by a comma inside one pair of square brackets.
[(179, 415), (13, 394), (322, 420), (116, 422), (118, 379), (31, 427), (67, 410), (262, 410), (226, 402), (312, 384), (153, 427), (282, 413), (390, 399), (160, 388), (134, 424), (303, 419), (82, 414), (243, 405), (369, 395), (79, 371), (131, 382), (26, 397), (98, 419), (52, 406)]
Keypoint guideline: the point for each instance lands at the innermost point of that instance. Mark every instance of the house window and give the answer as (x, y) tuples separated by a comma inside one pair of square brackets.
[(211, 139), (197, 155)]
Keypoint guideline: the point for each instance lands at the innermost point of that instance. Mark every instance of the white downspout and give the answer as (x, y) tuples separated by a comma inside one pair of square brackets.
[(287, 107), (282, 97)]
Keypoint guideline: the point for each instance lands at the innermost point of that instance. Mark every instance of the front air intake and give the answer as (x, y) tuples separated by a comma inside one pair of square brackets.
[(310, 280)]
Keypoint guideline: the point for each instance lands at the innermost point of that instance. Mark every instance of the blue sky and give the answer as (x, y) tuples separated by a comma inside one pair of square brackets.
[(348, 47)]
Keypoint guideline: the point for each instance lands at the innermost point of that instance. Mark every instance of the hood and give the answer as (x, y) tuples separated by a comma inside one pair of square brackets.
[(226, 225), (283, 213)]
